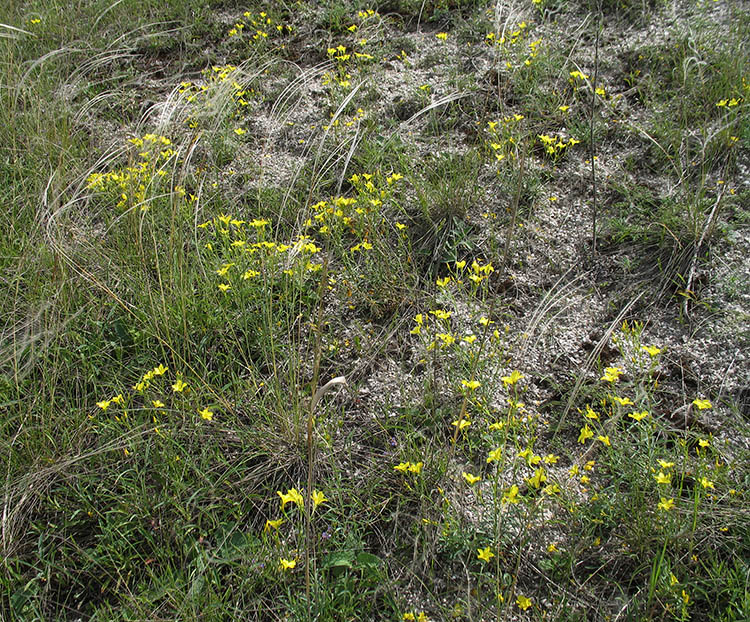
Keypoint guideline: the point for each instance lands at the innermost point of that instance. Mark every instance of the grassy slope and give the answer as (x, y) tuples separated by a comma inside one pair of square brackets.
[(209, 213)]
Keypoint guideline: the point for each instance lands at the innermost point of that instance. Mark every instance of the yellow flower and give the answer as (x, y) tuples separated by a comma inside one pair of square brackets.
[(179, 386), (663, 478), (707, 483), (416, 467), (523, 602), (288, 564), (157, 403), (622, 401), (409, 617), (318, 498), (664, 464), (514, 377), (530, 457), (590, 414), (511, 495), (585, 434), (651, 350), (639, 416), (160, 370), (611, 374), (225, 287), (444, 281), (551, 459), (495, 455), (224, 269), (402, 466), (442, 36), (538, 479), (272, 524), (485, 554), (471, 384), (463, 423), (446, 338), (206, 414), (604, 439), (470, 479), (292, 496), (702, 404), (104, 404), (703, 442)]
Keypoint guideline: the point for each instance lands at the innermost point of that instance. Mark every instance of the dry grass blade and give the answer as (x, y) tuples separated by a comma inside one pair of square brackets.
[(591, 359), (52, 54), (339, 381), (316, 175), (142, 39), (297, 85), (334, 118), (20, 495), (436, 104), (104, 12), (11, 35), (698, 245), (349, 156), (550, 299), (318, 170)]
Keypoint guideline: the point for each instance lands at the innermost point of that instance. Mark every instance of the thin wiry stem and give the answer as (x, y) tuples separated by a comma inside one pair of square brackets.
[(592, 144), (310, 428), (514, 212)]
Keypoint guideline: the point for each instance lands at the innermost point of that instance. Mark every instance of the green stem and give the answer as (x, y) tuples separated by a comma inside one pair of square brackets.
[(310, 443)]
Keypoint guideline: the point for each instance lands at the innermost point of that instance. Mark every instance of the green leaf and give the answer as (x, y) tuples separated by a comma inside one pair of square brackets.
[(368, 560)]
